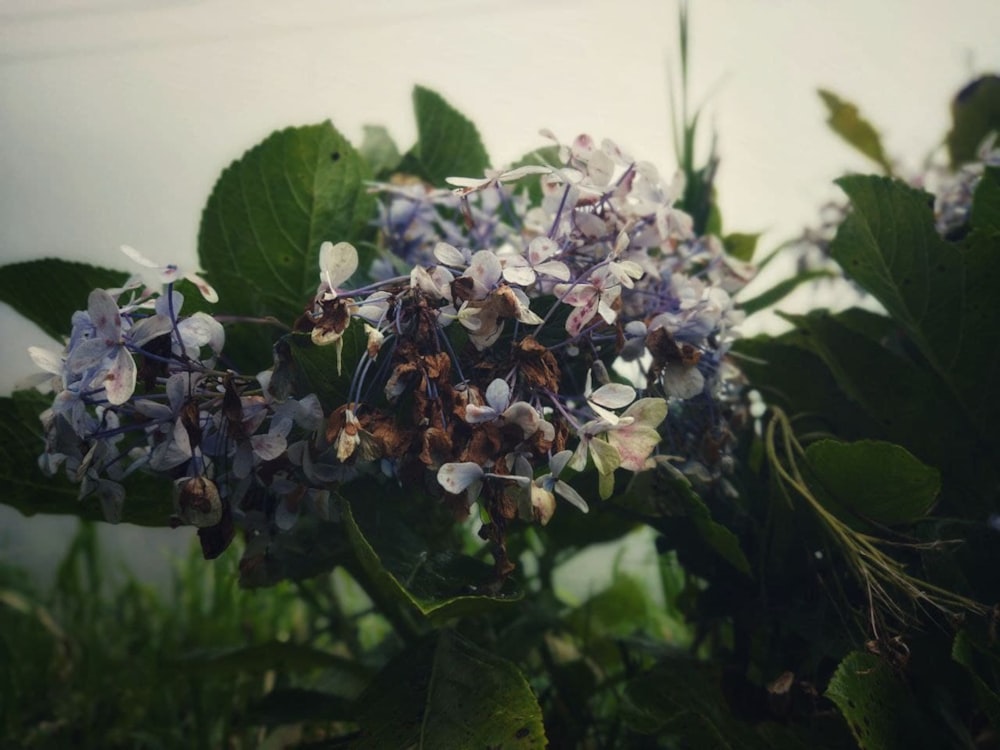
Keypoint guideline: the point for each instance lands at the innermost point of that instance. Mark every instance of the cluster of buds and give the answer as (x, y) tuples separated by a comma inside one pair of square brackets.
[(527, 341)]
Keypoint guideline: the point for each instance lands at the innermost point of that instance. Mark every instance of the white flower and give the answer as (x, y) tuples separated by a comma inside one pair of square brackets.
[(168, 274)]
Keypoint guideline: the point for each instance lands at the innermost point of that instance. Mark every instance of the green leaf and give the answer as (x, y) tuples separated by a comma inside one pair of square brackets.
[(314, 369), (741, 245), (379, 150), (439, 586), (781, 290), (665, 493), (448, 144), (877, 481), (266, 218), (975, 113), (298, 706), (985, 216), (942, 294), (47, 292), (446, 692), (683, 698), (888, 396), (980, 659), (878, 705), (846, 121), (148, 501)]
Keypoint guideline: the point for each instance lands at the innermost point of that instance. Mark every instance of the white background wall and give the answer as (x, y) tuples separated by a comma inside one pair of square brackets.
[(116, 116)]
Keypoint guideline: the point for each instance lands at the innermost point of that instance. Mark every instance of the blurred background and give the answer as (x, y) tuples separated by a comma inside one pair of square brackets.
[(116, 116)]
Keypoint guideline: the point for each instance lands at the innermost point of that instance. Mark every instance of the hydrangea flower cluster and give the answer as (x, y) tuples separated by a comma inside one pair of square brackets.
[(510, 343)]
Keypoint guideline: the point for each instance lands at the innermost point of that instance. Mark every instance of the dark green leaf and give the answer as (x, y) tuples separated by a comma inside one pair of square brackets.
[(901, 401), (878, 705), (298, 706), (781, 290), (148, 502), (942, 295), (683, 698), (446, 692), (266, 218), (876, 481), (438, 585), (665, 492), (986, 203), (448, 144), (975, 113), (379, 150), (845, 120), (47, 292), (322, 369), (981, 660), (741, 245)]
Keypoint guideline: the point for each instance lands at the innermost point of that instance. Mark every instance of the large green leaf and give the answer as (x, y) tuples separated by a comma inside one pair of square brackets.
[(876, 481), (982, 661), (446, 692), (47, 292), (266, 218), (905, 402), (975, 113), (148, 502), (846, 121), (379, 150), (780, 290), (438, 585), (448, 144), (878, 705), (942, 294)]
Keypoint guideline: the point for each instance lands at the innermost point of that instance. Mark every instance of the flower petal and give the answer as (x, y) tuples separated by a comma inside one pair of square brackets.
[(570, 495), (337, 263), (456, 477), (119, 381), (613, 395)]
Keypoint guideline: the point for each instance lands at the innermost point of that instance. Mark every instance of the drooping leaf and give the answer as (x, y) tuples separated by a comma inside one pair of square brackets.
[(878, 705), (266, 218), (47, 292), (663, 492), (874, 480), (846, 121), (942, 294), (741, 245), (437, 585), (446, 692), (379, 150), (448, 144), (975, 113), (148, 501)]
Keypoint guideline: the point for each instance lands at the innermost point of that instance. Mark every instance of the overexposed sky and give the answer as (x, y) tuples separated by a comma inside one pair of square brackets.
[(116, 116)]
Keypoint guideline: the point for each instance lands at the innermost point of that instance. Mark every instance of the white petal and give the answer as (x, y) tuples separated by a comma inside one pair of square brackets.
[(268, 447), (525, 416), (103, 311), (337, 263), (498, 394), (46, 359), (569, 494), (478, 414), (449, 255), (456, 477), (558, 462), (119, 382), (138, 257), (613, 395), (518, 274), (485, 268), (541, 249), (683, 382), (554, 268)]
